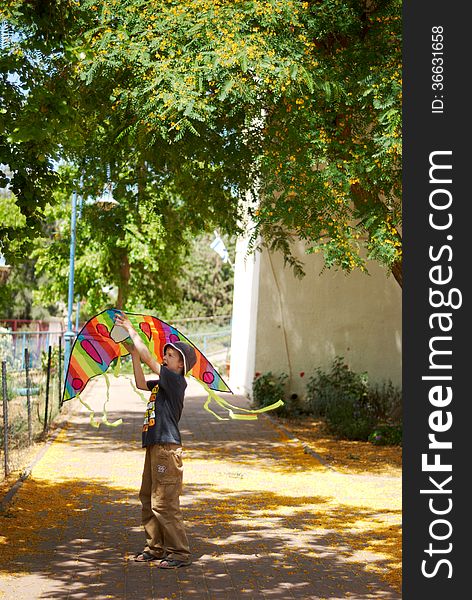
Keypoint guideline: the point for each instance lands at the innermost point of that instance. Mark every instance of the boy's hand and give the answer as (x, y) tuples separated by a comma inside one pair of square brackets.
[(139, 348), (122, 320)]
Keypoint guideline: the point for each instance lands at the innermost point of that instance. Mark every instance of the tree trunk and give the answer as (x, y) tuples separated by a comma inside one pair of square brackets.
[(397, 272), (124, 283)]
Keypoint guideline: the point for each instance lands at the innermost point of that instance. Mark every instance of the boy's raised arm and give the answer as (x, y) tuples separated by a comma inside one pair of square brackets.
[(141, 351), (139, 377)]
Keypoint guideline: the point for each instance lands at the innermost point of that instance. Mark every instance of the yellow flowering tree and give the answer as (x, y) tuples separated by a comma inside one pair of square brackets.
[(296, 101)]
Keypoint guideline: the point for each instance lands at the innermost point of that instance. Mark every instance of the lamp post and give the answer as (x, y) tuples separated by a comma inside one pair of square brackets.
[(105, 201), (69, 334)]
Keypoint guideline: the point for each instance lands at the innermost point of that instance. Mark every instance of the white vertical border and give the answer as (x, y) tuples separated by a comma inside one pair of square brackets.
[(244, 323)]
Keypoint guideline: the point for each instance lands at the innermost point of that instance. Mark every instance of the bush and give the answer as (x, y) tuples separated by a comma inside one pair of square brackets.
[(54, 359), (269, 388), (386, 435), (352, 408), (340, 382), (350, 418), (386, 400)]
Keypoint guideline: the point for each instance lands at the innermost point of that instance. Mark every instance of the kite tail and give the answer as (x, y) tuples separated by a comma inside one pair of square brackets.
[(104, 416), (251, 414), (93, 422), (117, 367), (140, 394), (104, 419), (116, 373)]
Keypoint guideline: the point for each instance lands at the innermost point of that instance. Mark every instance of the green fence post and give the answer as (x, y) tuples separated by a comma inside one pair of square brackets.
[(46, 403), (28, 397), (5, 418)]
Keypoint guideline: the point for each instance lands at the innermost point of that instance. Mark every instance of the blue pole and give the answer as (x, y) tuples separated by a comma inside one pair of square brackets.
[(77, 314), (69, 334), (80, 202)]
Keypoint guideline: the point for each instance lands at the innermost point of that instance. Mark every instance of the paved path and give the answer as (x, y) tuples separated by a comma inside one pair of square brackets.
[(265, 520)]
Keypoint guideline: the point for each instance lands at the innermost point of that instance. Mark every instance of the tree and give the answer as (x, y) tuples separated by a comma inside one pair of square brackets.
[(206, 282), (298, 102), (35, 116), (137, 255), (331, 165), (311, 88), (135, 248)]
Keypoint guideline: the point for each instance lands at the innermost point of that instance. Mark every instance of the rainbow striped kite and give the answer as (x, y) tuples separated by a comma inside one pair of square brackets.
[(98, 344)]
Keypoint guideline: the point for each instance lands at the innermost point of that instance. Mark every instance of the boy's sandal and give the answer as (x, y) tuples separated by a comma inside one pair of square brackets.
[(145, 556), (173, 563)]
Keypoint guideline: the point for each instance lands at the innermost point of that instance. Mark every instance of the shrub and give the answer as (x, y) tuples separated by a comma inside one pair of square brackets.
[(387, 402), (54, 359), (352, 408), (325, 388), (269, 388), (386, 435), (350, 418)]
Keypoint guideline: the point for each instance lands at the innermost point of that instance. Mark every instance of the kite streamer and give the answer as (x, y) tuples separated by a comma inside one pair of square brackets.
[(251, 414), (98, 344)]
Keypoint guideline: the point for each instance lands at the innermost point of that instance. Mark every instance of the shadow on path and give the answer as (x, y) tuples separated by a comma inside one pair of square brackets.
[(72, 528), (245, 545)]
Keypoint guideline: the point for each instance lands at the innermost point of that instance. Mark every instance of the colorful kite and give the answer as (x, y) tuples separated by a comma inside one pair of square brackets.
[(98, 344)]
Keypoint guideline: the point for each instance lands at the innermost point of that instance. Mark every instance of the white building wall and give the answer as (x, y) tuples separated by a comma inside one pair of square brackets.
[(284, 324), (304, 324)]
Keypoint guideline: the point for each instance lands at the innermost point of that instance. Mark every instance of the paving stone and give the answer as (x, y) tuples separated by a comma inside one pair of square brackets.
[(249, 538)]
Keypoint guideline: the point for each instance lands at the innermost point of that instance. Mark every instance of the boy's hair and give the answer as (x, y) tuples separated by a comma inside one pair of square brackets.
[(187, 353)]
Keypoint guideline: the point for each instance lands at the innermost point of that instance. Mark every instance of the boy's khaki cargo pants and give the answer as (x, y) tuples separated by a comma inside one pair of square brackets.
[(161, 487)]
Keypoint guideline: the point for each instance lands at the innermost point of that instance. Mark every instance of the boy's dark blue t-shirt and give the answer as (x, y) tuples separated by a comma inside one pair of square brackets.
[(161, 421)]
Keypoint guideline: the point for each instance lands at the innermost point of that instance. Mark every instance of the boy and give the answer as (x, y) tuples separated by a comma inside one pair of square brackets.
[(162, 475)]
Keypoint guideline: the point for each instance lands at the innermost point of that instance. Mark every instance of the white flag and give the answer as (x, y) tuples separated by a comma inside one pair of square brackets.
[(219, 247)]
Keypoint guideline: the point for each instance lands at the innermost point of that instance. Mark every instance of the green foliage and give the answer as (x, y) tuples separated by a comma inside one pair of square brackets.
[(16, 295), (205, 282), (387, 401), (351, 406), (141, 254), (338, 381), (350, 418), (386, 435), (54, 360), (36, 117), (10, 213), (268, 388), (334, 151), (297, 101), (127, 248), (13, 231)]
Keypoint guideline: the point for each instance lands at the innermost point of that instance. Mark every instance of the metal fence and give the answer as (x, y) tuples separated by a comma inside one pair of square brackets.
[(30, 401), (14, 344), (212, 335)]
